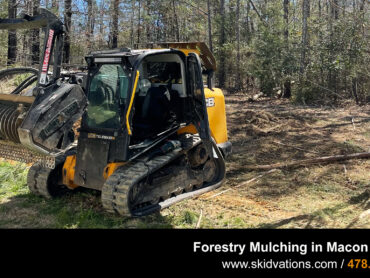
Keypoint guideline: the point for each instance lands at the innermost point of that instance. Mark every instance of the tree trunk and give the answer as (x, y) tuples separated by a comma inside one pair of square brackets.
[(114, 31), (209, 25), (101, 34), (286, 20), (139, 24), (354, 89), (222, 40), (334, 14), (320, 42), (344, 7), (55, 5), (362, 8), (12, 34), (287, 84), (35, 48), (148, 22), (90, 24), (305, 16), (263, 9), (27, 38), (238, 74), (132, 32), (335, 9), (177, 32), (67, 37)]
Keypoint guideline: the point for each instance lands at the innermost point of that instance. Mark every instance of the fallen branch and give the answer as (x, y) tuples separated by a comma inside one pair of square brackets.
[(243, 183), (259, 15), (325, 159), (199, 220), (294, 147)]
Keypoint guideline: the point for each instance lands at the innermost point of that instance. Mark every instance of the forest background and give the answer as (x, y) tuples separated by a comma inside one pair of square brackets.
[(311, 51)]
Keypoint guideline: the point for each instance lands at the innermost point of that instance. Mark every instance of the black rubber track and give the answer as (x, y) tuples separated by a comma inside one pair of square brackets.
[(116, 190), (43, 181)]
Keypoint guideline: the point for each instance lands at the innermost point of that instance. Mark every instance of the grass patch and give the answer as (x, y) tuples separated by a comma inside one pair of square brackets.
[(352, 147), (13, 179), (366, 134)]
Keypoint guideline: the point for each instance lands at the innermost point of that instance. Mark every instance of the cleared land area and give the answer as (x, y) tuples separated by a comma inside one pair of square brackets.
[(334, 195)]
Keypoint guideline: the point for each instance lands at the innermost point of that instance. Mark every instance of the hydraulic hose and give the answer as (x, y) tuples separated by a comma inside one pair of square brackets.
[(25, 83), (12, 71)]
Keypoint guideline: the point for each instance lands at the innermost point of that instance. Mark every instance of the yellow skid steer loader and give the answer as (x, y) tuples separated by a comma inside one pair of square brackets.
[(153, 127)]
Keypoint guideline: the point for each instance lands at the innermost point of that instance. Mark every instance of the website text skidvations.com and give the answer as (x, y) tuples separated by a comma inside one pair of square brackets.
[(298, 252)]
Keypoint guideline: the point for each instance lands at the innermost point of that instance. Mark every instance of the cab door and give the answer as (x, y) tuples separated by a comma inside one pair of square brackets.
[(196, 93)]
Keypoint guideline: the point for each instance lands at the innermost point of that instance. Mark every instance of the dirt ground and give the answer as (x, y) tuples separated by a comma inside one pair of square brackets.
[(320, 196), (268, 131)]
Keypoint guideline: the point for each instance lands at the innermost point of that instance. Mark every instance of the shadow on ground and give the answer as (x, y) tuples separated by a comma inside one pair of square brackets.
[(80, 209), (316, 219)]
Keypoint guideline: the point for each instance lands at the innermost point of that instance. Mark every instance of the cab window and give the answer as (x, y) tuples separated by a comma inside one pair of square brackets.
[(108, 87)]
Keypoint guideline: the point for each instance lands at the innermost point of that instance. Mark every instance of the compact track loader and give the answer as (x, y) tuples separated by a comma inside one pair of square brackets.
[(151, 132)]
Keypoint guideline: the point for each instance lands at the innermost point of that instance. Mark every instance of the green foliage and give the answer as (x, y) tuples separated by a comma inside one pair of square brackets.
[(337, 62), (189, 217), (18, 79), (267, 61), (13, 178), (338, 56)]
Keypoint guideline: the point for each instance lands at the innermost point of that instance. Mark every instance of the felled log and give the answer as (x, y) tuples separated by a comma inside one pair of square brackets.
[(255, 97), (304, 162)]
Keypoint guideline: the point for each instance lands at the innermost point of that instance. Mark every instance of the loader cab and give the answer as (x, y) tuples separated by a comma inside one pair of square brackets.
[(140, 87), (143, 93), (169, 94), (136, 99), (108, 87), (161, 95)]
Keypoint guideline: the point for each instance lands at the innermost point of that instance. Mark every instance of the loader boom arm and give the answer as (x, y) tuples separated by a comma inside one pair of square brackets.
[(53, 39)]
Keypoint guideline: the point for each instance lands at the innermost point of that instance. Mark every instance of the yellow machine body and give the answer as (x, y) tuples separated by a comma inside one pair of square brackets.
[(216, 116)]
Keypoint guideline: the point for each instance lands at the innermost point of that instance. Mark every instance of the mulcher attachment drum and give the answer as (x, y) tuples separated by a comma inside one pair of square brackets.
[(42, 129)]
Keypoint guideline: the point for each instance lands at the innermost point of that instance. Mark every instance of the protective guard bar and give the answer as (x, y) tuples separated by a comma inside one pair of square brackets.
[(53, 36)]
